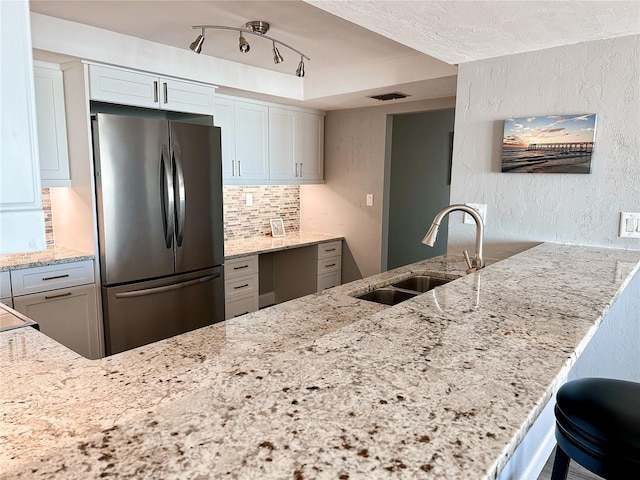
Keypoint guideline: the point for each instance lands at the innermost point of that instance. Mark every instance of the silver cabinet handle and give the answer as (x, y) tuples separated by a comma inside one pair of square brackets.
[(49, 297), (155, 92), (300, 169), (241, 286), (330, 250), (240, 268), (296, 170), (55, 277), (167, 198), (166, 288), (239, 169), (330, 265), (233, 168), (166, 92)]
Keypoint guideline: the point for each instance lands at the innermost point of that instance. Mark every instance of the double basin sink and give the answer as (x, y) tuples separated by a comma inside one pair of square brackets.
[(404, 289)]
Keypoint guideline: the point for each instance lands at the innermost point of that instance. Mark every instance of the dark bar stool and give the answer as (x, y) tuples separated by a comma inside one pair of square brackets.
[(598, 426)]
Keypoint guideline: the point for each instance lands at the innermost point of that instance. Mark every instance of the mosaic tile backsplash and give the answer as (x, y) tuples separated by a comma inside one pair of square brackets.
[(240, 221), (48, 217), (269, 201)]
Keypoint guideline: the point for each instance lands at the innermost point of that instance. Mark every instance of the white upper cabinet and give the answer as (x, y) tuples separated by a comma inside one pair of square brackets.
[(310, 146), (296, 144), (282, 145), (21, 217), (268, 144), (245, 140), (52, 126), (127, 87)]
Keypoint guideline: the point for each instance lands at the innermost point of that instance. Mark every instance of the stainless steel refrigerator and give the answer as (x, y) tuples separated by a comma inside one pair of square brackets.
[(159, 201)]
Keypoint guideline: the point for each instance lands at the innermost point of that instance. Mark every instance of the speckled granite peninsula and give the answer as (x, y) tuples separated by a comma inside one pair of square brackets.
[(442, 386)]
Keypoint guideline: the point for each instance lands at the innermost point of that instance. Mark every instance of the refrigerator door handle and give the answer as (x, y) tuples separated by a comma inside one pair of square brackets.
[(166, 196), (167, 288), (180, 207)]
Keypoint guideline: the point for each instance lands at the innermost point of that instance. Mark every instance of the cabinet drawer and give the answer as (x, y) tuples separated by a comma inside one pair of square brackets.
[(69, 316), (239, 287), (5, 284), (329, 280), (239, 267), (326, 265), (51, 277), (329, 249), (240, 306)]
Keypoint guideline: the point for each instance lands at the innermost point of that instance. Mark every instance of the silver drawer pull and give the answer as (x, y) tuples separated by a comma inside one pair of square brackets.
[(240, 268), (330, 250), (56, 277), (49, 297), (241, 286), (330, 265)]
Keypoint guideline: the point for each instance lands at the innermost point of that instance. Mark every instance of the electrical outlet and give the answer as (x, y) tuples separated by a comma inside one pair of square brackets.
[(249, 199), (481, 208), (369, 199), (629, 226)]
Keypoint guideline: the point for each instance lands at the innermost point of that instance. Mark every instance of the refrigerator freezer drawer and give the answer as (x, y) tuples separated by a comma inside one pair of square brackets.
[(145, 312)]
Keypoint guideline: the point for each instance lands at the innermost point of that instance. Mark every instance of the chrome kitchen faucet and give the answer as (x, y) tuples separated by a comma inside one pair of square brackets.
[(430, 238)]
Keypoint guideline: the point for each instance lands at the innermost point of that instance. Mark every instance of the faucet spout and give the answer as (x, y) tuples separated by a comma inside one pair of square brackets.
[(430, 238)]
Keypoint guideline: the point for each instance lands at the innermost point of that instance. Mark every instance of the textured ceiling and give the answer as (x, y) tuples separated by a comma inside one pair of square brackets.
[(361, 48)]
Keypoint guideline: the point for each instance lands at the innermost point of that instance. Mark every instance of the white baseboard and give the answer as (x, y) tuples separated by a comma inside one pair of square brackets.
[(539, 460)]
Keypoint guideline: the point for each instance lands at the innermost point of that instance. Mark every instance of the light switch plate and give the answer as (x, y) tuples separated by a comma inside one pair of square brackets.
[(629, 226), (481, 208), (249, 199), (369, 199)]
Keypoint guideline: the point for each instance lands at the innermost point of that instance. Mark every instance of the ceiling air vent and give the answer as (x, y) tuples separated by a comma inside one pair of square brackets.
[(389, 96)]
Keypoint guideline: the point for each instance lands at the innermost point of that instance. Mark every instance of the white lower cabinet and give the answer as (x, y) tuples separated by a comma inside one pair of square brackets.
[(241, 286), (62, 299), (68, 315), (329, 268)]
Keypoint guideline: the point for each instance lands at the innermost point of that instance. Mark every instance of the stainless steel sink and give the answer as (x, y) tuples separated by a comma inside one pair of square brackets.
[(387, 296), (421, 283), (404, 289)]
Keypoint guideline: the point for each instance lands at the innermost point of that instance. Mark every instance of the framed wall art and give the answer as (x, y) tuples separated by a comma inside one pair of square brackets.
[(552, 144)]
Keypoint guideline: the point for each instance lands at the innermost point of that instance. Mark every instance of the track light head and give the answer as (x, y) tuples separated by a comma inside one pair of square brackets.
[(244, 45), (277, 58), (300, 70), (196, 45)]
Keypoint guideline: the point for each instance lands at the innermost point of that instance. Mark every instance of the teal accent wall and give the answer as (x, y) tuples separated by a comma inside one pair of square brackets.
[(419, 183)]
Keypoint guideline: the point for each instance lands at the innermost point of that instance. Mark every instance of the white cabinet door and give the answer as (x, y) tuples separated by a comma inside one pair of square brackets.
[(310, 146), (181, 96), (69, 316), (252, 141), (224, 118), (282, 144), (52, 126), (125, 87), (21, 218)]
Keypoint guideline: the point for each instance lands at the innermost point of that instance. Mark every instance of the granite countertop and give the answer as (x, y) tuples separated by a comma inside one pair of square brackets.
[(265, 244), (442, 386), (50, 256)]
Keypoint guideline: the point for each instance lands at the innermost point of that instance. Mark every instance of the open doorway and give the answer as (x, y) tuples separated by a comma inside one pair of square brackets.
[(417, 184)]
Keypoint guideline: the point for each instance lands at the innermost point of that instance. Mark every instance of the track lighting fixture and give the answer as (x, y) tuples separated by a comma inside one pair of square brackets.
[(244, 45), (196, 46), (257, 28), (277, 58), (300, 70)]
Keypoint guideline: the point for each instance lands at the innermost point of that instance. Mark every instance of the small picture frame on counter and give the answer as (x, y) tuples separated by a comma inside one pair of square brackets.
[(277, 227)]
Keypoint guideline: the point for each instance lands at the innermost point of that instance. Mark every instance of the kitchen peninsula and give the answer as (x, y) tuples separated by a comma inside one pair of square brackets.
[(444, 385)]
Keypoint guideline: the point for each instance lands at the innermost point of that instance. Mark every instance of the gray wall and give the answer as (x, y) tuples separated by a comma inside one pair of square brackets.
[(355, 152), (418, 184), (599, 77)]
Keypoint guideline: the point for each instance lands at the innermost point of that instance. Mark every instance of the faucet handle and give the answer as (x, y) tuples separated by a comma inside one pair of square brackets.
[(467, 259)]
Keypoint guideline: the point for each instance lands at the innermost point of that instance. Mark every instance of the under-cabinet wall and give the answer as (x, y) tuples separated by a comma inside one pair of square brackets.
[(268, 201)]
